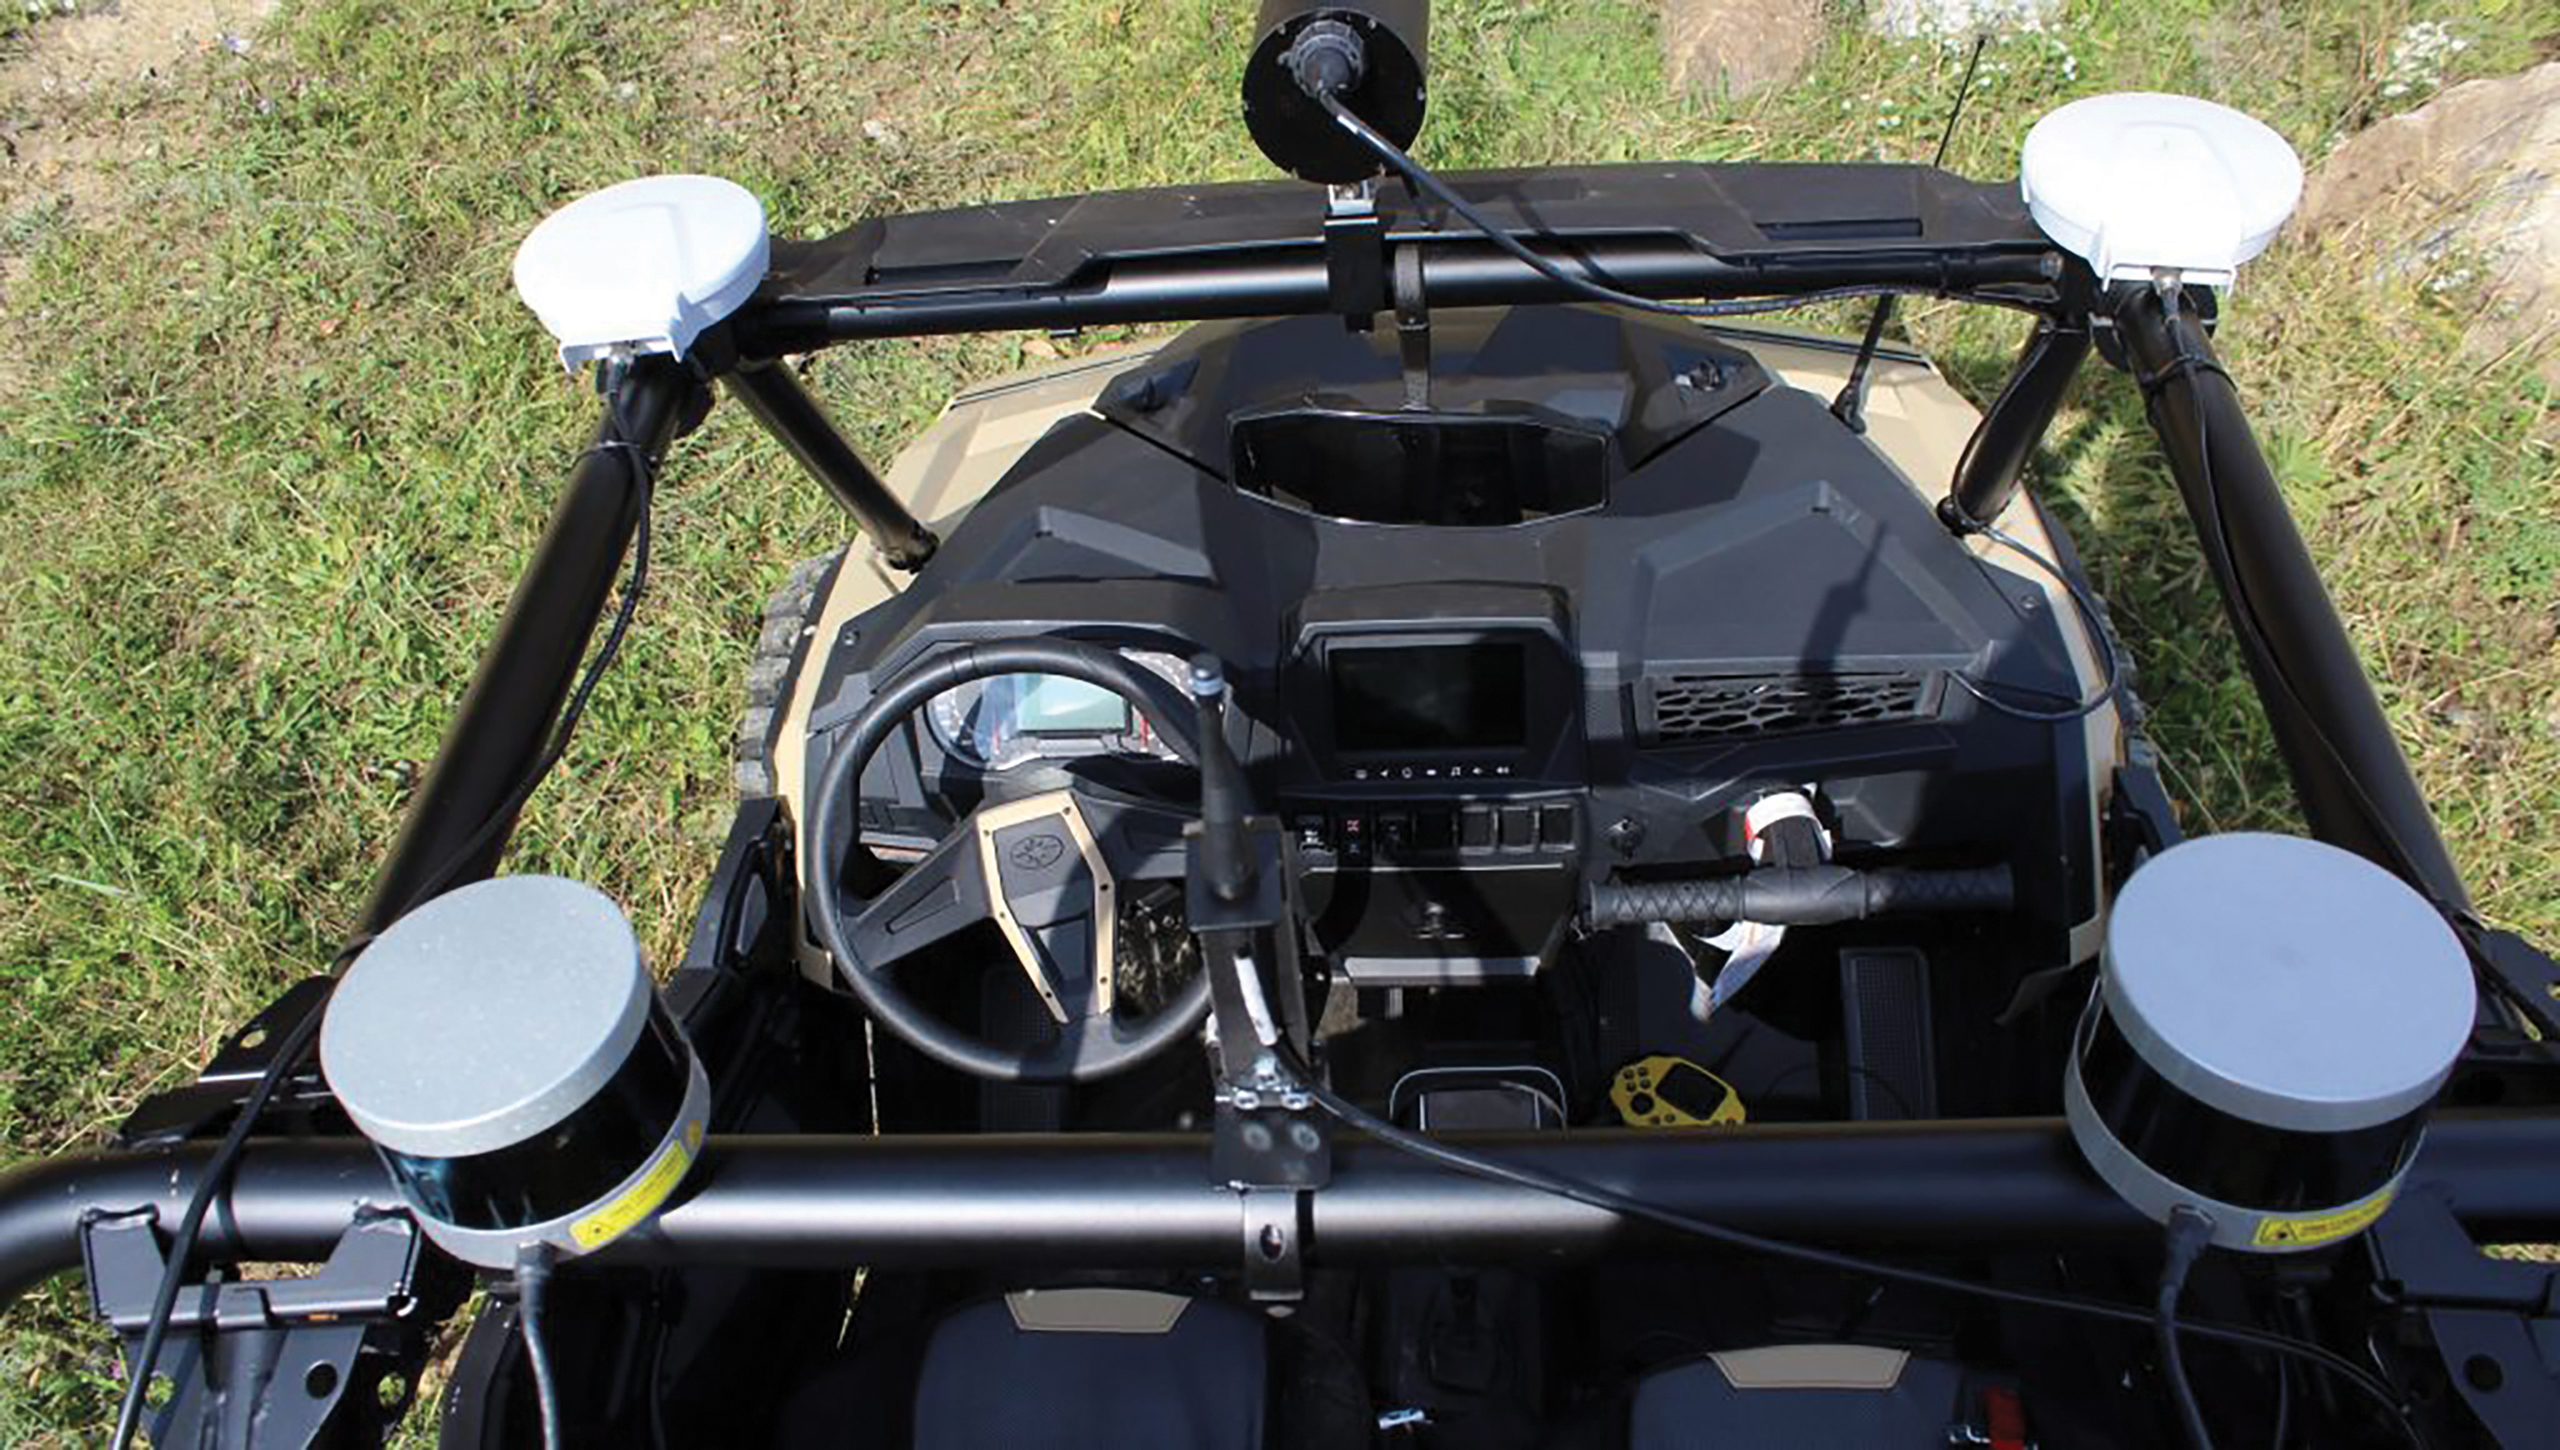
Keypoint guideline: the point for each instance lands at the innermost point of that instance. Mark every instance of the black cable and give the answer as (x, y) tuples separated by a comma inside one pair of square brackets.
[(1473, 1165), (2189, 1233), (225, 1158), (533, 1284), (1424, 182), (656, 1369), (2284, 1403), (2099, 635), (182, 1245), (1769, 1089)]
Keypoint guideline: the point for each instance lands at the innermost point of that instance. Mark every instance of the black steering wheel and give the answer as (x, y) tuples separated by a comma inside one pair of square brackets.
[(1046, 869)]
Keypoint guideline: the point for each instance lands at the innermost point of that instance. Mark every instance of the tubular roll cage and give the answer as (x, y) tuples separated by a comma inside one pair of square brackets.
[(1255, 250)]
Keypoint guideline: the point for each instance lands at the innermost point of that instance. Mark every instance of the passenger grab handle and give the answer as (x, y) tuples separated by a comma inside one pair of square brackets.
[(1801, 896)]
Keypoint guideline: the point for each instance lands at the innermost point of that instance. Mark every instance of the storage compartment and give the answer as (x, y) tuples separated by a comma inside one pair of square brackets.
[(1421, 468)]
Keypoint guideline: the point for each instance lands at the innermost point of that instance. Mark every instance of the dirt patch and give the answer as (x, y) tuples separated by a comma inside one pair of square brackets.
[(68, 127), (97, 46)]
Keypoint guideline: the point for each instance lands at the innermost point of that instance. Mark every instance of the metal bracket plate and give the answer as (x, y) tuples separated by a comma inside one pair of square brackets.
[(2530, 979), (2489, 1317), (251, 1362), (1355, 254), (226, 1081)]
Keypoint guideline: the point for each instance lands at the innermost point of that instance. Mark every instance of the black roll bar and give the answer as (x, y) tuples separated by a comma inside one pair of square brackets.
[(505, 719), (1149, 1201), (773, 394), (1293, 280), (1258, 249), (1996, 456), (2347, 769)]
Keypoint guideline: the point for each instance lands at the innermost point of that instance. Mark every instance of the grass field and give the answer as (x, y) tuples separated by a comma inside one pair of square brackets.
[(275, 436)]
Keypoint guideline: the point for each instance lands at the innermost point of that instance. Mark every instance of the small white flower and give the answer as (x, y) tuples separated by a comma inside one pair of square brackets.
[(2418, 57)]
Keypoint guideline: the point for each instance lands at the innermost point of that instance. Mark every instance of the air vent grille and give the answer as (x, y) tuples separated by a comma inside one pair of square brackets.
[(1692, 709)]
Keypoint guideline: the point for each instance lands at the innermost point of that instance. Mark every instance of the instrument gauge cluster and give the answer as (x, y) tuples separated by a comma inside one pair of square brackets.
[(1010, 720)]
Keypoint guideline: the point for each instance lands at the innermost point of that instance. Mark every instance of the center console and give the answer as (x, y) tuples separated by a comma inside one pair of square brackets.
[(1436, 805)]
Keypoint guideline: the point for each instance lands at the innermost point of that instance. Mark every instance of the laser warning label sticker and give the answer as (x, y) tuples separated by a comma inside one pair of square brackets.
[(637, 1202), (2306, 1231)]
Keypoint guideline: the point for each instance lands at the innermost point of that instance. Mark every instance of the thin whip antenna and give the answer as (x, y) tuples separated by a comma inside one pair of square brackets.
[(1851, 406), (1964, 90)]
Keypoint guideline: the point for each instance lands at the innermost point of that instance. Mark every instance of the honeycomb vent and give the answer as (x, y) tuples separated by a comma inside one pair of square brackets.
[(1692, 709)]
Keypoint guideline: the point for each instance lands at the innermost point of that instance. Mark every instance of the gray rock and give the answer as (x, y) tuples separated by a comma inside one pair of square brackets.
[(1736, 48), (2461, 195)]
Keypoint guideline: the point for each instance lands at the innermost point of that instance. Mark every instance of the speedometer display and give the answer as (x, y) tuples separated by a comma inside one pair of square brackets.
[(999, 723), (1050, 705)]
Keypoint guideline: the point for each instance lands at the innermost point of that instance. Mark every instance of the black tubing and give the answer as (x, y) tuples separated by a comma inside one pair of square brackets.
[(2354, 784), (1462, 271), (1997, 454), (1108, 1201), (505, 720), (288, 1202), (772, 392)]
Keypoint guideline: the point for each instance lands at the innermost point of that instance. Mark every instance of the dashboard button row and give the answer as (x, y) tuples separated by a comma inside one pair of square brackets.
[(1355, 835), (1431, 772)]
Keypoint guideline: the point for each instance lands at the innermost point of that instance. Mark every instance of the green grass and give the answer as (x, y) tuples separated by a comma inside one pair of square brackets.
[(277, 436)]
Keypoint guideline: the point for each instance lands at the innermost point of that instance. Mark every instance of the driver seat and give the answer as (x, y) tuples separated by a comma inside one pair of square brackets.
[(1103, 1368)]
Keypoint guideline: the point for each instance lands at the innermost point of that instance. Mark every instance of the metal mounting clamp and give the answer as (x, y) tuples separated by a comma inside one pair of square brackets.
[(1275, 1270), (1413, 328), (252, 1362), (1355, 242)]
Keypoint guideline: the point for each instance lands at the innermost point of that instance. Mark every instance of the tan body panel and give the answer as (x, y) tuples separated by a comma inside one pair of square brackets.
[(1915, 419)]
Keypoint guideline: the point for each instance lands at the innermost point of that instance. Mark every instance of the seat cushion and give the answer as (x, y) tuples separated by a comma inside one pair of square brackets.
[(1093, 1369), (1788, 1396)]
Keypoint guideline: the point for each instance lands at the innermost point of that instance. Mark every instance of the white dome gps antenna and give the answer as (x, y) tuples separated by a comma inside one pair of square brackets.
[(2146, 187), (643, 266)]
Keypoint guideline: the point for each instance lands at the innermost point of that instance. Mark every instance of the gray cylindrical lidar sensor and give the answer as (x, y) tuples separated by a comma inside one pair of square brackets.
[(2274, 1017), (505, 1050)]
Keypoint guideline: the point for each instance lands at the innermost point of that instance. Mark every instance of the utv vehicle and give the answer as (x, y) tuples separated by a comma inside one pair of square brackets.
[(1468, 852)]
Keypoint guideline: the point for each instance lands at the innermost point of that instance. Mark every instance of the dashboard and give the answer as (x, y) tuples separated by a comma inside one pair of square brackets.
[(1461, 723)]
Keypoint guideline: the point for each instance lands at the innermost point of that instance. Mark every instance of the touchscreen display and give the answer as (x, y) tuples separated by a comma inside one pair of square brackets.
[(1429, 697)]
